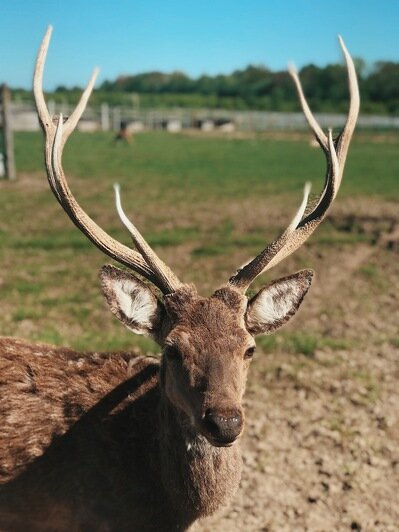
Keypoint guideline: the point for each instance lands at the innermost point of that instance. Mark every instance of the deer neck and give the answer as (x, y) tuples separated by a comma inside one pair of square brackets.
[(198, 477)]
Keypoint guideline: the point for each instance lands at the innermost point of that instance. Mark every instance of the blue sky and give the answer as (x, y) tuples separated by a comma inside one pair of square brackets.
[(193, 36)]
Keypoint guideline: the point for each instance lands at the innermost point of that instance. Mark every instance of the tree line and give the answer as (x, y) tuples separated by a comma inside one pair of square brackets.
[(254, 87)]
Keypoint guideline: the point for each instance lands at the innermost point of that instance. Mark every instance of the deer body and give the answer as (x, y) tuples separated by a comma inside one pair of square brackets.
[(123, 443), (78, 429)]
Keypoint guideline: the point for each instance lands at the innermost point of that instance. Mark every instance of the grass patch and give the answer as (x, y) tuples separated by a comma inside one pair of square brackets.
[(81, 313), (371, 388), (302, 343), (208, 251), (73, 240), (224, 239), (26, 287), (334, 343), (26, 314), (115, 342), (49, 335), (49, 270), (268, 344), (372, 274), (50, 302), (173, 237), (299, 343), (394, 341), (337, 238), (370, 271), (202, 166)]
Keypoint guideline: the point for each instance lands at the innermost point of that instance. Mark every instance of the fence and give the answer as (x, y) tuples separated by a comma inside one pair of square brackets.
[(106, 118), (7, 161)]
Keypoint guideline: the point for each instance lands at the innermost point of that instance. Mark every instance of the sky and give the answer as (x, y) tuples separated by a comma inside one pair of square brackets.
[(196, 37)]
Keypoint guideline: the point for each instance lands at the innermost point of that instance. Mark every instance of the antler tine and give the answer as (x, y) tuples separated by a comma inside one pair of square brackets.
[(73, 120), (291, 238), (318, 132), (56, 136), (335, 151), (42, 111), (151, 258), (46, 120), (44, 115), (306, 226), (343, 140)]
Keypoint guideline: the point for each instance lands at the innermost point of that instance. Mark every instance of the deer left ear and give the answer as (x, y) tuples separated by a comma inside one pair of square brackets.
[(132, 302), (275, 304)]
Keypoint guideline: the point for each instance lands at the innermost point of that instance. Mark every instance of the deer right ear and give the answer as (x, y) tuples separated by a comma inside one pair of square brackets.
[(132, 302), (275, 304)]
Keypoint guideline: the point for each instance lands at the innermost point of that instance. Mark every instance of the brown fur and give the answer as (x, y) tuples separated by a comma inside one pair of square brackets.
[(92, 441)]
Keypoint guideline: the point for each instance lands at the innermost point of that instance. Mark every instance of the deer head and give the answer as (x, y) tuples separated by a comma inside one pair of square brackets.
[(208, 342)]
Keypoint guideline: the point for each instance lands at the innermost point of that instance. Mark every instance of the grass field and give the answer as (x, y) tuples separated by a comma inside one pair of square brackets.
[(205, 204), (322, 402)]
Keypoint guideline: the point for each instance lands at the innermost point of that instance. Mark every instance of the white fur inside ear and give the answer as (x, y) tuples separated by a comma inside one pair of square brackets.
[(276, 302), (136, 304), (131, 300)]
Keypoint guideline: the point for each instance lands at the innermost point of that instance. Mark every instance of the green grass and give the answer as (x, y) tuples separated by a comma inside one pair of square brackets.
[(26, 314), (369, 270), (169, 165), (189, 196), (300, 343), (173, 237), (374, 276), (394, 341), (371, 387)]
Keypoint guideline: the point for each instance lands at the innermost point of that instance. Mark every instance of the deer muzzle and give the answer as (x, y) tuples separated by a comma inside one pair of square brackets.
[(222, 428)]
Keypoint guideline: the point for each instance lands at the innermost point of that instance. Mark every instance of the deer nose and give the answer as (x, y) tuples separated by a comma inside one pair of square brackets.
[(223, 427)]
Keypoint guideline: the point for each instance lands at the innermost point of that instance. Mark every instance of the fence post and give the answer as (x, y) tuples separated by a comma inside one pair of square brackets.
[(51, 107), (8, 134), (116, 122), (105, 122)]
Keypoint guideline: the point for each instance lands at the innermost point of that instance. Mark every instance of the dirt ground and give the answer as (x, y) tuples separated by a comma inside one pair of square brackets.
[(321, 448)]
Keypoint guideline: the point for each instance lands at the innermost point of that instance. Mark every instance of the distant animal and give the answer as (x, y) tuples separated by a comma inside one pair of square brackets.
[(124, 133), (118, 442)]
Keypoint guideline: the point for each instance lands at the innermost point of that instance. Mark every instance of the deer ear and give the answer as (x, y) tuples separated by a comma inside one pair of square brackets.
[(132, 302), (275, 304)]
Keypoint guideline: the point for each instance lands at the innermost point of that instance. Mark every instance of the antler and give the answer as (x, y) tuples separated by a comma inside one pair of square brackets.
[(335, 151), (144, 261)]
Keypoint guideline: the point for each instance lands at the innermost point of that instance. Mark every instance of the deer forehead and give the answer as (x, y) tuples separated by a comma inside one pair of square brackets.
[(212, 339), (209, 325), (225, 308)]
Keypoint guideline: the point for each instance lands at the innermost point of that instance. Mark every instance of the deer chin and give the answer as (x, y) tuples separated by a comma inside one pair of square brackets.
[(220, 443), (216, 443)]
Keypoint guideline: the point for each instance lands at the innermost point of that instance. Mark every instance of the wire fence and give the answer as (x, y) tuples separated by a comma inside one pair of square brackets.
[(107, 118)]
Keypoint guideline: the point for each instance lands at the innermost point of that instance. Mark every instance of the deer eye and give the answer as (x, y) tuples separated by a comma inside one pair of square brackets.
[(249, 353), (172, 353)]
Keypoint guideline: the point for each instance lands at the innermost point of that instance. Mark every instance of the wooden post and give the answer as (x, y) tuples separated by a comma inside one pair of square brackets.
[(51, 107), (105, 117), (116, 119), (8, 134)]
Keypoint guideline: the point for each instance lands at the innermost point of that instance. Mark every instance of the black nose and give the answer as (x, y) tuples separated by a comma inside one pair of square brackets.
[(223, 426)]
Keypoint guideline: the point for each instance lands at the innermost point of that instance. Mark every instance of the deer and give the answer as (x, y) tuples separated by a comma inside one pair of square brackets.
[(95, 441)]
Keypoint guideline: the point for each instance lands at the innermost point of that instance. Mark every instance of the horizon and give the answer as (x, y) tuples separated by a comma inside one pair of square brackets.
[(211, 39)]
